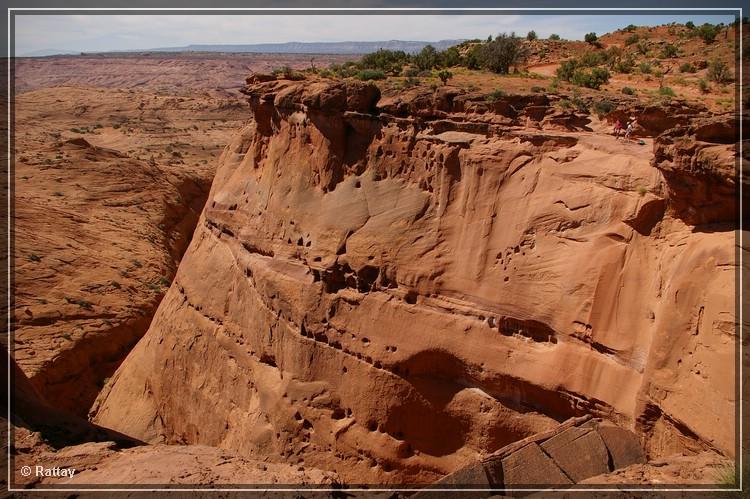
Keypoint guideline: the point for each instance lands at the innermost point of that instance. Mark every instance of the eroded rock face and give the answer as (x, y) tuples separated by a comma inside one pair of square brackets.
[(698, 164), (390, 297)]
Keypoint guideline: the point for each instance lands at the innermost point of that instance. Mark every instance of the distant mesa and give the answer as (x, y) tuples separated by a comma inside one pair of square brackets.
[(280, 48)]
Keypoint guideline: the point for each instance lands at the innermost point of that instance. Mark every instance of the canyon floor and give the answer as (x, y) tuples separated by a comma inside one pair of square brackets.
[(223, 276)]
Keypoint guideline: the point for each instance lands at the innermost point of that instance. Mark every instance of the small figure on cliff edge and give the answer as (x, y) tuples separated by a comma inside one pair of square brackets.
[(629, 131), (618, 129)]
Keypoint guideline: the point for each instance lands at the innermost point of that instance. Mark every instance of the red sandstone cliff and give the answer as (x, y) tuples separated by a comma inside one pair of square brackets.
[(390, 289)]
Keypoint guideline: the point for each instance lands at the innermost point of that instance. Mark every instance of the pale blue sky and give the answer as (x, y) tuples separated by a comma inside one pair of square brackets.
[(123, 32)]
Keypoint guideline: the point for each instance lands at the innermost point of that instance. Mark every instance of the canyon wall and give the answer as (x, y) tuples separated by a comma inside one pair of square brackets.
[(390, 288)]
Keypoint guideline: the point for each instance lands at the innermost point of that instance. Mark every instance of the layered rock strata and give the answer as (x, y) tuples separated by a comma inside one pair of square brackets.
[(392, 289)]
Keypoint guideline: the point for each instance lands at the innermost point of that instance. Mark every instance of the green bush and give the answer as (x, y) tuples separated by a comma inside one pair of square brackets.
[(283, 70), (591, 59), (718, 72), (449, 58), (687, 67), (669, 51), (427, 58), (444, 76), (554, 36), (630, 28), (703, 86), (537, 89), (579, 103), (642, 47), (603, 107), (502, 53), (411, 72), (566, 69), (708, 32), (628, 91), (384, 60), (370, 74), (625, 65), (690, 25), (495, 95), (591, 38), (632, 39), (472, 59), (644, 68), (666, 91), (531, 35), (594, 78)]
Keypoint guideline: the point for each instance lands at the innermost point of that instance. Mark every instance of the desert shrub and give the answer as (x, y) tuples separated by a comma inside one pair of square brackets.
[(537, 89), (603, 107), (625, 65), (495, 95), (579, 103), (630, 28), (666, 91), (531, 35), (411, 72), (427, 58), (325, 73), (591, 59), (565, 104), (690, 25), (591, 38), (631, 39), (687, 67), (566, 69), (642, 47), (554, 36), (594, 78), (644, 68), (553, 86), (116, 126), (502, 53), (449, 58), (718, 72), (444, 76), (669, 51), (384, 60), (283, 70), (628, 91), (703, 86), (472, 59), (708, 32), (346, 70)]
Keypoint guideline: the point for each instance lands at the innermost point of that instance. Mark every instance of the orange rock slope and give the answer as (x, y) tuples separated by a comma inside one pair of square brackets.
[(389, 290)]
